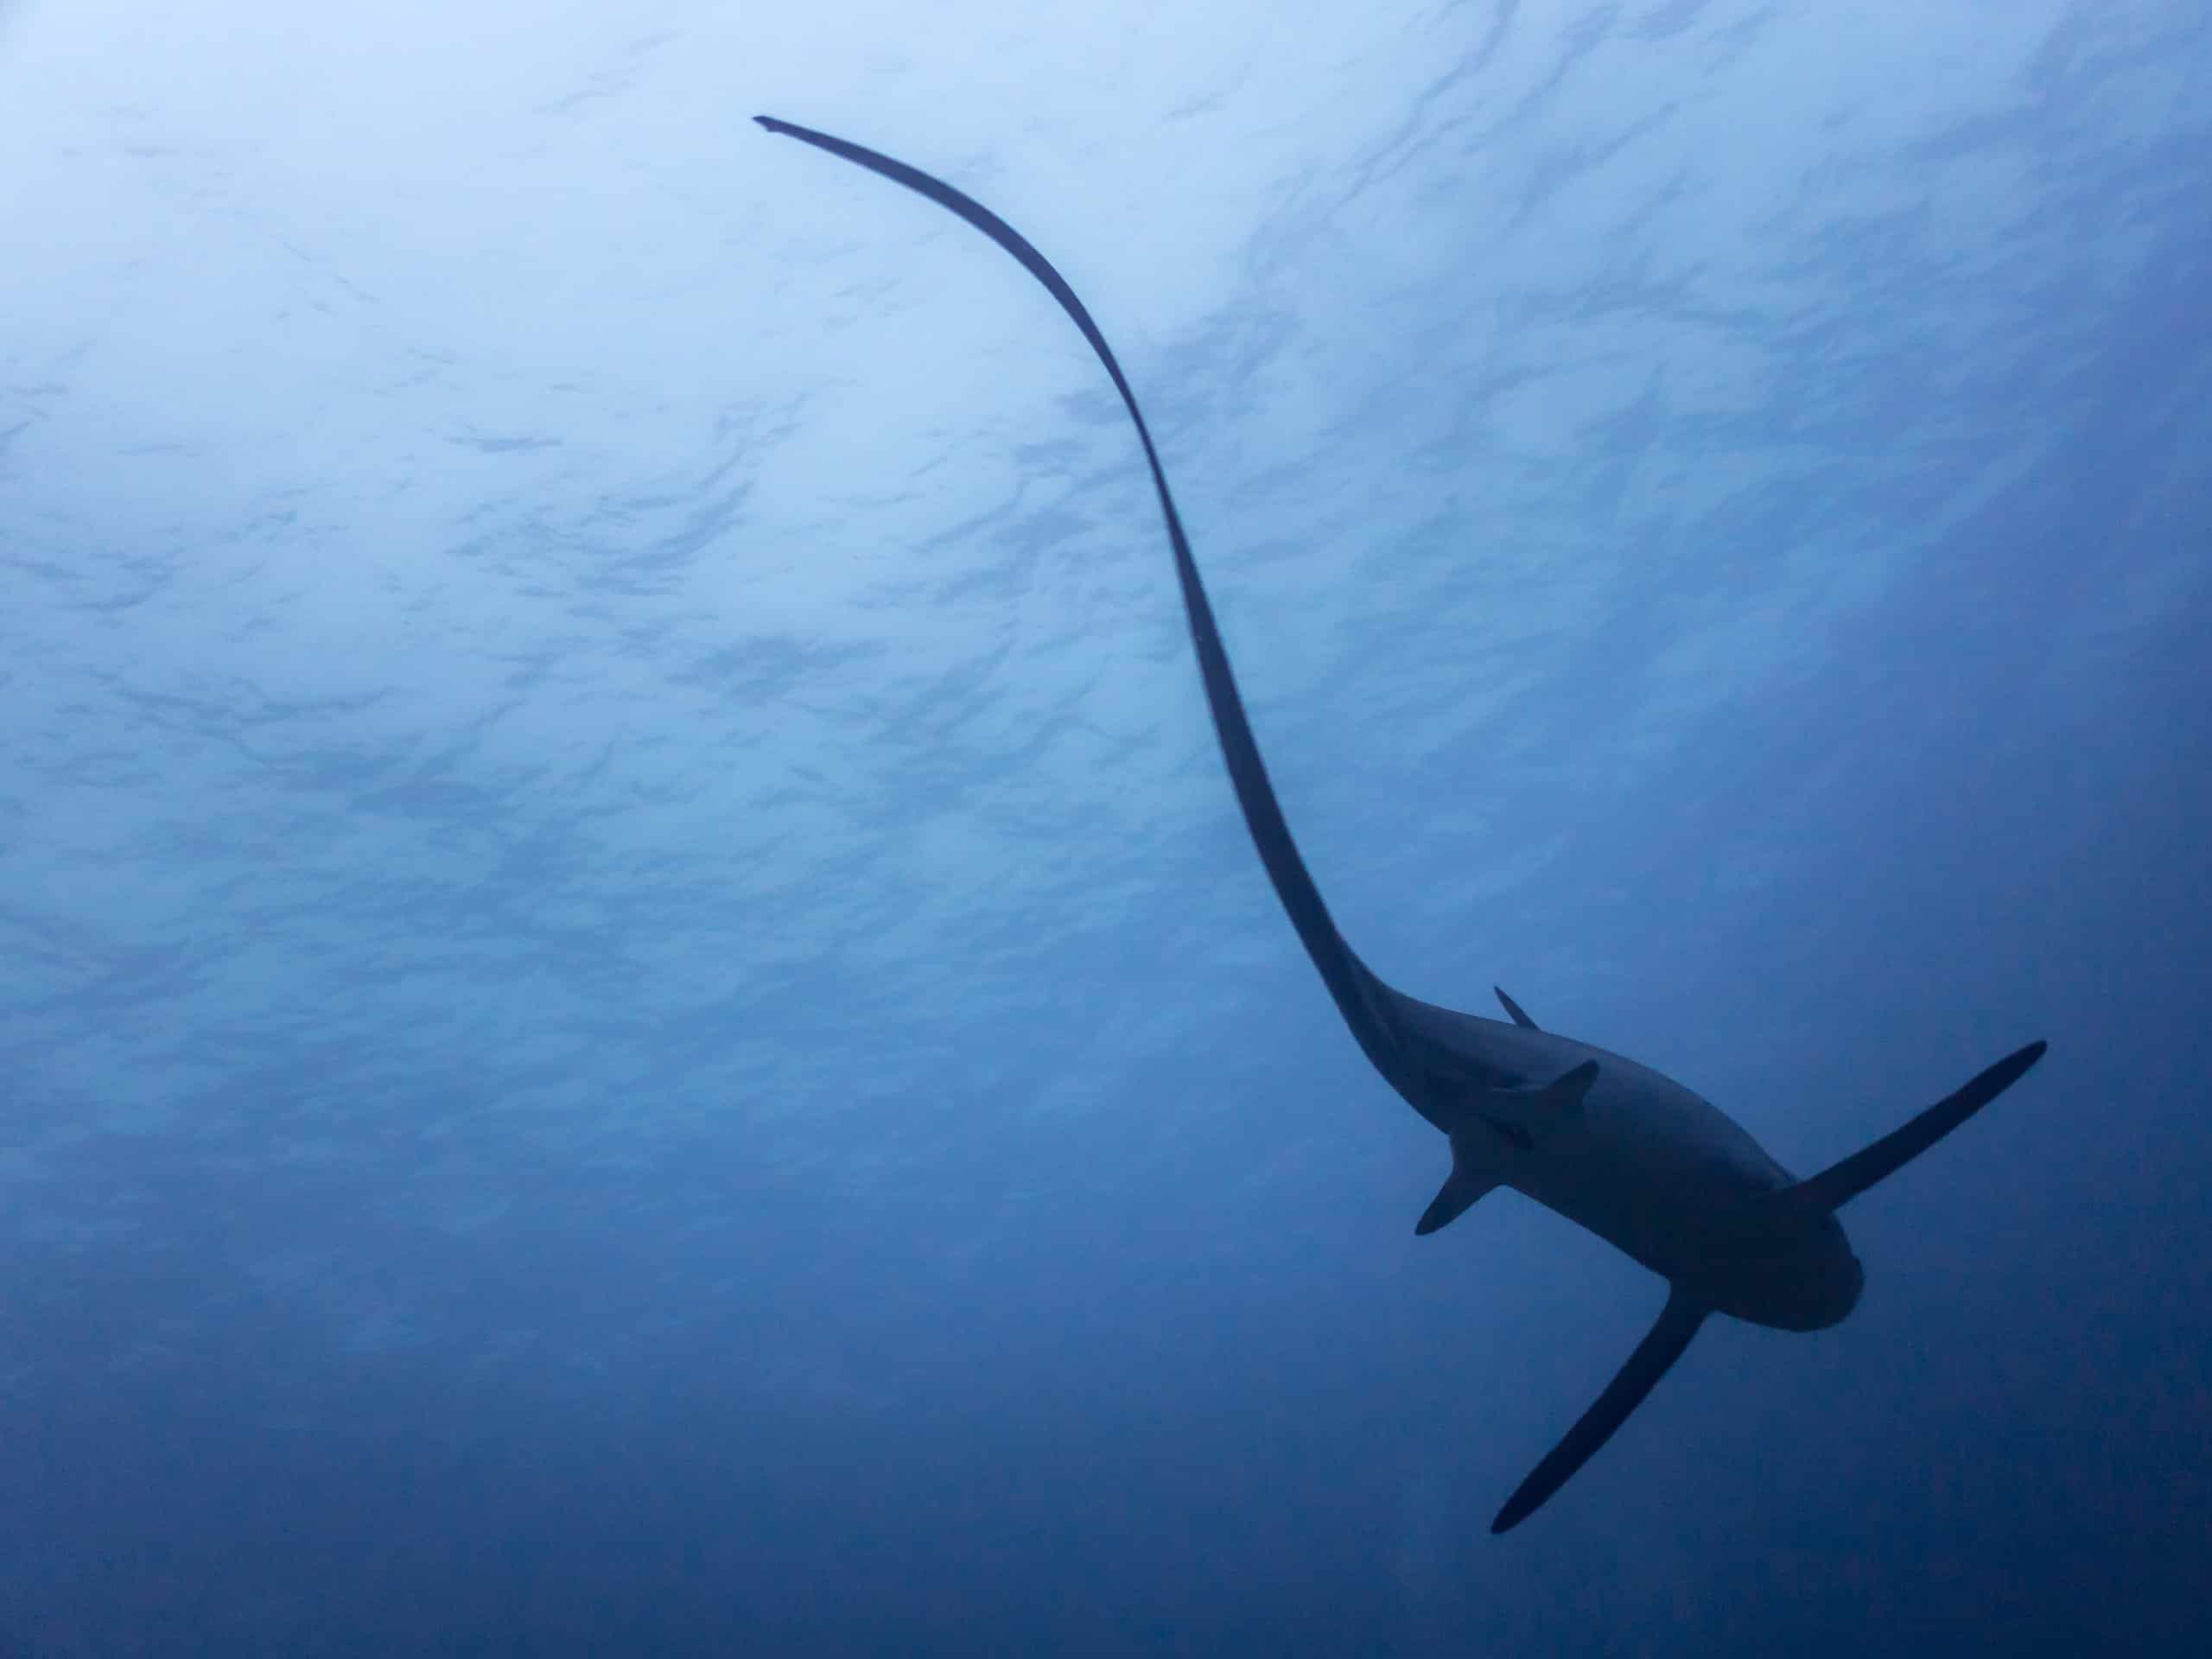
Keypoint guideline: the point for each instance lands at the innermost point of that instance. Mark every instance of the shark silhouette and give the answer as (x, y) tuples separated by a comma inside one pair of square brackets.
[(1649, 1165)]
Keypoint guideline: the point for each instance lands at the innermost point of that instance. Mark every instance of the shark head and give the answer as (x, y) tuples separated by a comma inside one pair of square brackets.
[(1789, 1272)]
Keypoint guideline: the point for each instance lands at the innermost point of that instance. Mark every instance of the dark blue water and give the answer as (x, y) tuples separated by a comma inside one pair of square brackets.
[(636, 1017)]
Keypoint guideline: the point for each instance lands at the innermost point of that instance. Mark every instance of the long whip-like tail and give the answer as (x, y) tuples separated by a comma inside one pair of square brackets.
[(1358, 994)]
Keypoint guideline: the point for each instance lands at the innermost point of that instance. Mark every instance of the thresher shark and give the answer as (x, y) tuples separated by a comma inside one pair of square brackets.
[(1649, 1165)]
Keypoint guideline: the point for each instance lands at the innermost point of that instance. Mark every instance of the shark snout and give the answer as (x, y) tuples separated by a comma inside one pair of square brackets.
[(1806, 1279), (1849, 1285), (1833, 1279)]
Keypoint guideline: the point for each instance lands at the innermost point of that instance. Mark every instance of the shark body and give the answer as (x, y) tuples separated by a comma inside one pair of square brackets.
[(1622, 1150)]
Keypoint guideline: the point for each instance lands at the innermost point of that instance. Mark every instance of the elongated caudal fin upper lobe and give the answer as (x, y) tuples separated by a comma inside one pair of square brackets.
[(1359, 996)]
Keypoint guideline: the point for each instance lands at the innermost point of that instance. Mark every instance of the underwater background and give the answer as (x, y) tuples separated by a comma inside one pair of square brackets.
[(636, 1018)]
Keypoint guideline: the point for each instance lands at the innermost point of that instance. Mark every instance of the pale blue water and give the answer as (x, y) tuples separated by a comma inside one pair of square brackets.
[(637, 1019)]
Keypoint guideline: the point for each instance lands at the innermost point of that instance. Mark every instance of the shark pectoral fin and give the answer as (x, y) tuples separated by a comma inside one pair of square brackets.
[(1539, 1109), (1660, 1348), (1474, 1170), (1840, 1183), (1513, 1009)]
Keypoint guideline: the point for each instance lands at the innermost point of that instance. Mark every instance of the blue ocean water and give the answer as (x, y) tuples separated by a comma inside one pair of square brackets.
[(636, 1016)]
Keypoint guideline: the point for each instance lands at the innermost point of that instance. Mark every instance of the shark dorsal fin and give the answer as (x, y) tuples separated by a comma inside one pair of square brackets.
[(1520, 1018)]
